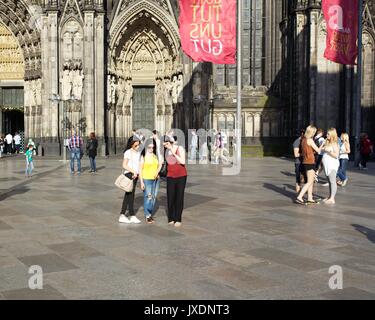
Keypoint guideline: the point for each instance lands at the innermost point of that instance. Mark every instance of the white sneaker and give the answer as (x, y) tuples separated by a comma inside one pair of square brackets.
[(124, 219), (345, 182), (134, 219)]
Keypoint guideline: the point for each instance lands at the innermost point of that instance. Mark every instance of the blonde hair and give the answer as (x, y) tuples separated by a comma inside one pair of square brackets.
[(310, 132), (344, 137), (333, 137)]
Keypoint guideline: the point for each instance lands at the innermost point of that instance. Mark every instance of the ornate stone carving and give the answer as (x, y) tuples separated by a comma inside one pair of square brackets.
[(159, 93), (66, 84), (78, 77), (128, 90), (168, 89)]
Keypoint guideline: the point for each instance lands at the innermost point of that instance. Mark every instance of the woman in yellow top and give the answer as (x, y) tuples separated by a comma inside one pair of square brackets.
[(149, 168)]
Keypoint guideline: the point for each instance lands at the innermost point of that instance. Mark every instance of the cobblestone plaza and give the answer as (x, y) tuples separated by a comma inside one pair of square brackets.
[(242, 236)]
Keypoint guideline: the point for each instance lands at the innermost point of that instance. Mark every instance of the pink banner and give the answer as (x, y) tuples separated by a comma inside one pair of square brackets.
[(342, 30), (208, 30)]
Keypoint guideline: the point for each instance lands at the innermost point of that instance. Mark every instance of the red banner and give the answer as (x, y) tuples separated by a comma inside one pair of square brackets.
[(342, 30), (208, 30)]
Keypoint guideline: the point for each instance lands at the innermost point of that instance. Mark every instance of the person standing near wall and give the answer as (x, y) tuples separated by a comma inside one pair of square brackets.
[(75, 144), (91, 150)]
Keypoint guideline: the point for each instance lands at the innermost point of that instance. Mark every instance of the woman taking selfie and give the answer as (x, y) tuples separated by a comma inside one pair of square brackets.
[(176, 180)]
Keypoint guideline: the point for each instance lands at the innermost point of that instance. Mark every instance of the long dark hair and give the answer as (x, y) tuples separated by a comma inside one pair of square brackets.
[(146, 144), (130, 144)]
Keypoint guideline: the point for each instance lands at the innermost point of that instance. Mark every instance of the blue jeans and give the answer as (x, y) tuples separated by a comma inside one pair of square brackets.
[(342, 170), (149, 196), (29, 167), (92, 163), (75, 154)]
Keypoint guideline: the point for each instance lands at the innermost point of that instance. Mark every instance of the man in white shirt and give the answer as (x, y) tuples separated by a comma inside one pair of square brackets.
[(17, 142), (8, 141)]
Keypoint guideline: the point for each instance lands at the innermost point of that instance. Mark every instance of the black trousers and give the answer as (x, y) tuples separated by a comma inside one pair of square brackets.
[(175, 198), (128, 202), (364, 159)]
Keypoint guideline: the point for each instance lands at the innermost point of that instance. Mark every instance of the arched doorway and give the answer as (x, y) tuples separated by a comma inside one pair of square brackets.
[(144, 70), (12, 71)]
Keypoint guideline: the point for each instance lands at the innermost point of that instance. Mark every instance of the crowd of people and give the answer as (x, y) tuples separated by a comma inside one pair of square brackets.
[(143, 161), (315, 152), (10, 144)]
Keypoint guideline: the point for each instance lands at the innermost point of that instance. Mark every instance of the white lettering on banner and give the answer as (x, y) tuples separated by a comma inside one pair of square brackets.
[(213, 46)]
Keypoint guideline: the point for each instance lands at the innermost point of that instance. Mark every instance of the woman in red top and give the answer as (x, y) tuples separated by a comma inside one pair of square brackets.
[(176, 180), (366, 148)]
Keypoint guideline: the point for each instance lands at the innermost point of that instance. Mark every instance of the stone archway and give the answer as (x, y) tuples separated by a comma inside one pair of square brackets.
[(144, 54), (19, 18)]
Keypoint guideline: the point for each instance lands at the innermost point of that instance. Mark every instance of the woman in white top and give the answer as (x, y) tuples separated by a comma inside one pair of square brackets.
[(131, 166), (344, 160), (331, 163)]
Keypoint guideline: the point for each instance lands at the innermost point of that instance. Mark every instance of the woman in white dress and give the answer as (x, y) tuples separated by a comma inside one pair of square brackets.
[(331, 163)]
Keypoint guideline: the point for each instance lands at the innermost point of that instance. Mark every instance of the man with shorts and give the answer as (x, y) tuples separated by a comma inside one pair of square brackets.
[(299, 170)]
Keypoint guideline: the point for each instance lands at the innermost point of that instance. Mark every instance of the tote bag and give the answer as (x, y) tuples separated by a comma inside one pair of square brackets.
[(124, 183)]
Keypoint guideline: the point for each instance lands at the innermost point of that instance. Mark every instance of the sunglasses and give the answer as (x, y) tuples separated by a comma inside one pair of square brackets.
[(150, 147)]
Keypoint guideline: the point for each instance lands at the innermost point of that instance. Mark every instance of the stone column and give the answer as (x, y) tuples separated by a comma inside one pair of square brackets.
[(314, 16), (46, 83), (89, 97), (53, 74), (301, 70), (100, 81)]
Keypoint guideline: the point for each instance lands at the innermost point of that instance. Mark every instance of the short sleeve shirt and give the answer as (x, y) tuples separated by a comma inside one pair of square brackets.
[(296, 144), (134, 159)]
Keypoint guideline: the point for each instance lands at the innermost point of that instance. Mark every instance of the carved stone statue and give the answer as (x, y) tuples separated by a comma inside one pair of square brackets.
[(120, 94), (159, 93), (113, 90), (128, 93), (168, 88), (66, 85), (78, 84), (27, 94), (180, 88), (38, 92), (174, 90), (33, 94)]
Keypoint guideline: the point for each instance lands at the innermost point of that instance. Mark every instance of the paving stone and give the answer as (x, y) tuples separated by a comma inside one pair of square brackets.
[(49, 262)]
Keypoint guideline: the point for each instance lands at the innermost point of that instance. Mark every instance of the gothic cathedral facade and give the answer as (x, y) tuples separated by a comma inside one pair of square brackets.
[(111, 66)]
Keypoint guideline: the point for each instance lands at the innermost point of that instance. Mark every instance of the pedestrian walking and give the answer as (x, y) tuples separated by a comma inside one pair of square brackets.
[(308, 147), (319, 140), (131, 166), (366, 149), (331, 163), (298, 166), (1, 145), (29, 162), (344, 160), (75, 145), (149, 177), (17, 142), (176, 180), (8, 143), (91, 150)]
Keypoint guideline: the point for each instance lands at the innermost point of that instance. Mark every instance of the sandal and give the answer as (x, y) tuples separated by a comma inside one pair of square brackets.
[(298, 201), (312, 202)]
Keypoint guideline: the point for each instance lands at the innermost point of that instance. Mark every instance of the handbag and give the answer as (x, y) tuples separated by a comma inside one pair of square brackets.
[(124, 183), (164, 167)]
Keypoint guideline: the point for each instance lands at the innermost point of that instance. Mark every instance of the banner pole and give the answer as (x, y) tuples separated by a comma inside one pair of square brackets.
[(358, 104), (239, 83)]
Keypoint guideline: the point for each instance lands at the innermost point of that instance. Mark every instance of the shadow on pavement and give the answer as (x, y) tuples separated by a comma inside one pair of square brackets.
[(369, 233)]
